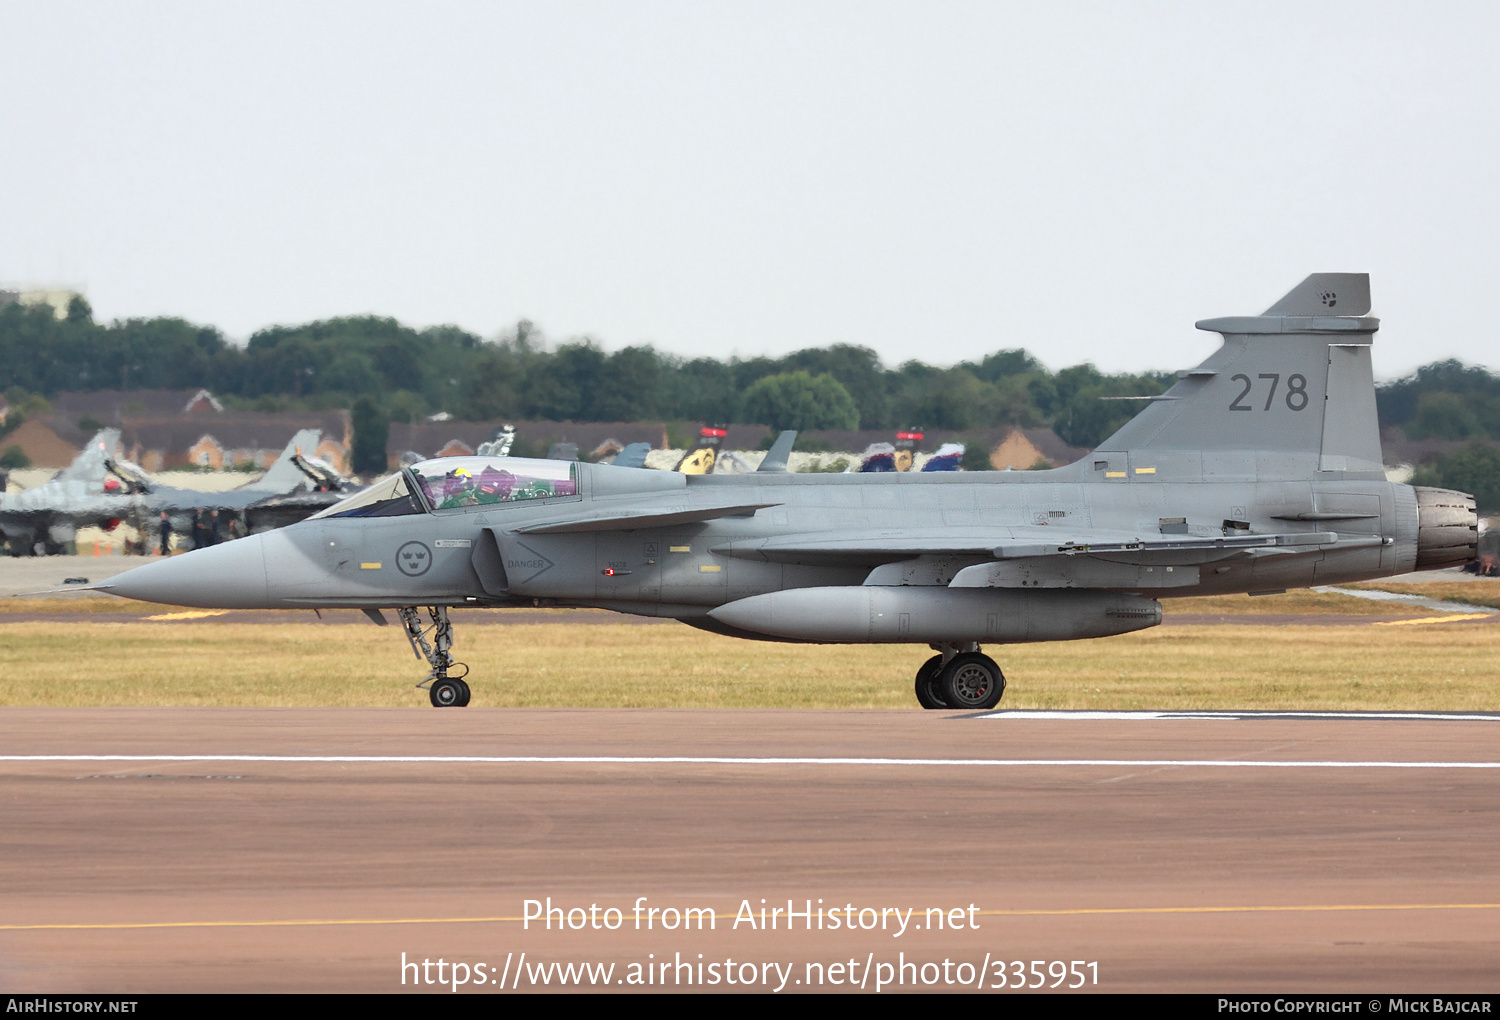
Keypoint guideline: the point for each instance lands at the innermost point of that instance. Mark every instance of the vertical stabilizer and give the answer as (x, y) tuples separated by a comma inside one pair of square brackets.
[(285, 475), (776, 457), (1326, 294), (1289, 395), (89, 465)]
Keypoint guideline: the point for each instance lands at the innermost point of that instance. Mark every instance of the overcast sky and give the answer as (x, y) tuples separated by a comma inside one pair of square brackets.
[(933, 180)]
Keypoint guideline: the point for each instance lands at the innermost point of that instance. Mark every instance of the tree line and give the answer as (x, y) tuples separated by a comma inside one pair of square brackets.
[(408, 373), (403, 374)]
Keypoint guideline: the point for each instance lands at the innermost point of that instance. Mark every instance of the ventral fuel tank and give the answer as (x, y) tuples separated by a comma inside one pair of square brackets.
[(934, 614)]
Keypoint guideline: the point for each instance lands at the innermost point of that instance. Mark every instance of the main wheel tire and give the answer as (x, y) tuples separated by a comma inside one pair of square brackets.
[(447, 693), (971, 681), (927, 683), (464, 701)]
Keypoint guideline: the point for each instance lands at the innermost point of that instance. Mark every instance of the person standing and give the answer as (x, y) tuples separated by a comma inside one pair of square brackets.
[(165, 524)]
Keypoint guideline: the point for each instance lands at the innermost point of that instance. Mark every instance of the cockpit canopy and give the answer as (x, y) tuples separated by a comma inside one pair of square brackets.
[(453, 483), (389, 497)]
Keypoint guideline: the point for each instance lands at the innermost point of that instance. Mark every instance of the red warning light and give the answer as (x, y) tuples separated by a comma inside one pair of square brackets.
[(709, 430), (608, 571)]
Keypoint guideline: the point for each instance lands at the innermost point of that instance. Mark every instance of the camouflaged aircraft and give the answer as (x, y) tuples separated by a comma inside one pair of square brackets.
[(1257, 471)]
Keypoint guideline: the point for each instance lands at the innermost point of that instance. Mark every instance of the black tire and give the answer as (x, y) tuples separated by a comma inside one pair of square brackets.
[(464, 701), (447, 693), (927, 683), (971, 681)]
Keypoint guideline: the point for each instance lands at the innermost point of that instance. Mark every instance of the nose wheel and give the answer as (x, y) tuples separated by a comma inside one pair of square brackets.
[(443, 691)]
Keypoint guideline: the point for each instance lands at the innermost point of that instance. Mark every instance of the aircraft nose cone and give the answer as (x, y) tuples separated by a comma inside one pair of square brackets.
[(228, 576)]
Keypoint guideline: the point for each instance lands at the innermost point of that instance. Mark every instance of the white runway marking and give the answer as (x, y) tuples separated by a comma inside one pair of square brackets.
[(1065, 715), (456, 759), (1411, 600)]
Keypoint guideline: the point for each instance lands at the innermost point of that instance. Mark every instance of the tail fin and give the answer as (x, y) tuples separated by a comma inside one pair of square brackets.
[(1289, 395), (89, 465), (776, 456), (700, 459), (285, 475), (633, 455)]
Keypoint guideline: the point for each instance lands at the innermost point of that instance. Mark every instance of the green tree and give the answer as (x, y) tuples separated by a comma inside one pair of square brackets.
[(1444, 415), (1399, 402), (976, 455), (371, 433), (14, 458), (1474, 468), (800, 400), (858, 370)]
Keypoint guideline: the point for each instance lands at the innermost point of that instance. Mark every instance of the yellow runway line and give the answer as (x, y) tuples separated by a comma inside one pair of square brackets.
[(308, 923), (1435, 619), (311, 923), (194, 614)]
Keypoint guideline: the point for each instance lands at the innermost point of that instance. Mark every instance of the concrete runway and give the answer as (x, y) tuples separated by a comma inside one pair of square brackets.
[(1169, 852)]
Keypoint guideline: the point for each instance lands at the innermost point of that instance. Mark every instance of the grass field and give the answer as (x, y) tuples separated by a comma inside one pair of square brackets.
[(75, 661), (65, 654), (1475, 593)]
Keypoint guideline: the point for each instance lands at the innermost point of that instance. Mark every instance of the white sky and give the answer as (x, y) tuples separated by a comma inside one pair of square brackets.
[(933, 180)]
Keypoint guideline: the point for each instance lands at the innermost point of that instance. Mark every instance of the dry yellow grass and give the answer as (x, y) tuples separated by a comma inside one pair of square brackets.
[(78, 605), (79, 662), (1475, 593), (1301, 601)]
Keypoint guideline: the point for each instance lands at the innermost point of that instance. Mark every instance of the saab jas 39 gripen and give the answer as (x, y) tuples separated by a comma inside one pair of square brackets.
[(1257, 471)]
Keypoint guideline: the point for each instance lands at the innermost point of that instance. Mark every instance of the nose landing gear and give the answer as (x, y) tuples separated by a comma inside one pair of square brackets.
[(960, 677), (443, 691)]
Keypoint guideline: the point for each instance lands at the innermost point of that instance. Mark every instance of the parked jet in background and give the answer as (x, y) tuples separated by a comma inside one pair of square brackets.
[(98, 490), (902, 455), (1259, 470), (700, 459), (27, 517)]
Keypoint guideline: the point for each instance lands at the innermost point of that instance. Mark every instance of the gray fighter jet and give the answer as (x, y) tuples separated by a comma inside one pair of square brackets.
[(41, 516), (1257, 471), (100, 490)]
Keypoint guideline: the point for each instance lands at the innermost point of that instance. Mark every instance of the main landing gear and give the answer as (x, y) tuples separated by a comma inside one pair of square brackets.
[(960, 676), (443, 691)]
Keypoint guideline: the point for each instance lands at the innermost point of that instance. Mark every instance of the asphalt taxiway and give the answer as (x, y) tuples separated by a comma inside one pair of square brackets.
[(285, 849)]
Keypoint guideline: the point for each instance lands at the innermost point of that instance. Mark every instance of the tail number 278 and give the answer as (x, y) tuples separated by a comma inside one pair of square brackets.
[(1295, 396)]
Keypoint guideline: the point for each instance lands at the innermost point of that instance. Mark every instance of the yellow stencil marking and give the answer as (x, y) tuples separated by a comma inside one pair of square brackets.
[(1145, 471), (369, 566), (195, 614), (1114, 474), (316, 922), (710, 569), (679, 548), (1434, 619)]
